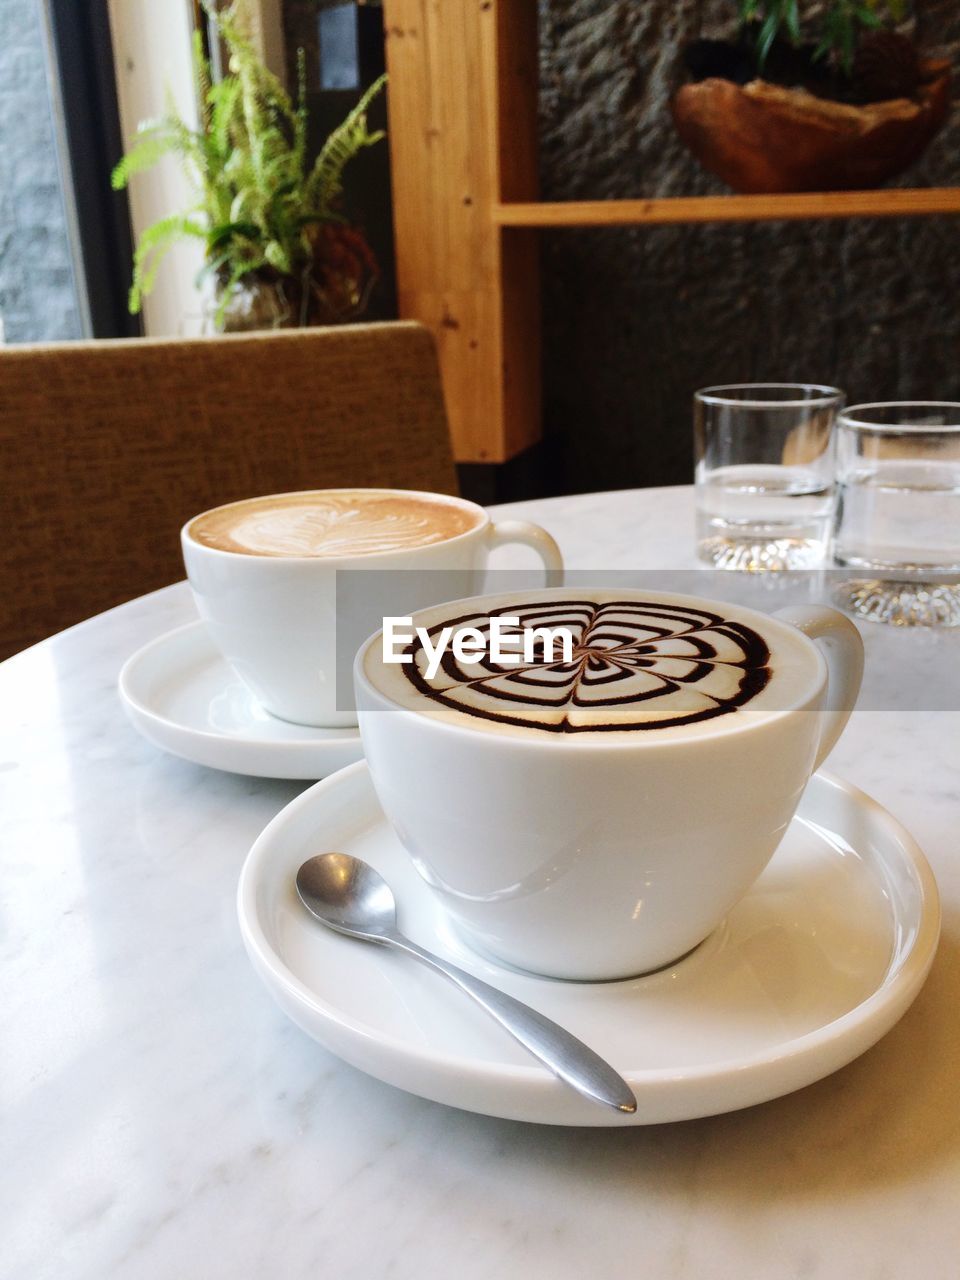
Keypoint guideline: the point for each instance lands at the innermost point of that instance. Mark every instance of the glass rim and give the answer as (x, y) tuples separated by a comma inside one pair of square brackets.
[(849, 417), (827, 395)]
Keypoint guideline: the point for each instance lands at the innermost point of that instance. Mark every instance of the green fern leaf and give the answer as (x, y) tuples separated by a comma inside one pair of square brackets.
[(325, 183), (153, 246)]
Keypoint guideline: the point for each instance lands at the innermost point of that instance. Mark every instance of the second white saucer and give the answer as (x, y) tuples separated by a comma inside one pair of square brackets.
[(182, 695), (811, 968)]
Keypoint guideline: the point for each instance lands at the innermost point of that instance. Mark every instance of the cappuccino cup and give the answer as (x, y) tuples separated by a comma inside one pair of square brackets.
[(593, 812), (264, 576)]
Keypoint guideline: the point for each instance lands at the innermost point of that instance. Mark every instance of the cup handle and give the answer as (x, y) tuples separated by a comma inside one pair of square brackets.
[(530, 535), (841, 645)]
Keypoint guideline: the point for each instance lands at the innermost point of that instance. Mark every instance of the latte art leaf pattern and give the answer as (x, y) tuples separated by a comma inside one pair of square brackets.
[(331, 531), (634, 665), (331, 523)]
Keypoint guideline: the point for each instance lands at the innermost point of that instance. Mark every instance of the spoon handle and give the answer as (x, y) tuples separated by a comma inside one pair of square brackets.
[(566, 1056)]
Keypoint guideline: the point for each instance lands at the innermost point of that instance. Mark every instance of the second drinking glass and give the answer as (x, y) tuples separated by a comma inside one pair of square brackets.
[(898, 512), (764, 474)]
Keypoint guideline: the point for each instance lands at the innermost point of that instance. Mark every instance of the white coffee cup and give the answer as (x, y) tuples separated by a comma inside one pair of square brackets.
[(274, 617), (595, 855)]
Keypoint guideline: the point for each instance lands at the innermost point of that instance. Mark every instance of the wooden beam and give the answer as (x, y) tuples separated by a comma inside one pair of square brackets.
[(891, 203), (514, 63), (461, 77)]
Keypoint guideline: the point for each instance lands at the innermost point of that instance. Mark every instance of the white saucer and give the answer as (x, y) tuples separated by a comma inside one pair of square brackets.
[(182, 695), (820, 959)]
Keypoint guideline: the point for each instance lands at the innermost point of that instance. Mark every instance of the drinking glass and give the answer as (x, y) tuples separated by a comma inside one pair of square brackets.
[(764, 474), (898, 511)]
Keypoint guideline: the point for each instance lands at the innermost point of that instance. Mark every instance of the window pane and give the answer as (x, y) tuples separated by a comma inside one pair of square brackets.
[(38, 293)]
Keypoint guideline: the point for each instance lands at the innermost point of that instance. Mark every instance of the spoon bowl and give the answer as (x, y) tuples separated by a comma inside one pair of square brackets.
[(348, 895)]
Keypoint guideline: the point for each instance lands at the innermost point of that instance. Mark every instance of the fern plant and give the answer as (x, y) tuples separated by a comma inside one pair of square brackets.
[(840, 26), (845, 20), (263, 212), (766, 20)]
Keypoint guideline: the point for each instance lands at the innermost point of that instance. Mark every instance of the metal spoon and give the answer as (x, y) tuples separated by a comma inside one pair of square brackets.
[(349, 896)]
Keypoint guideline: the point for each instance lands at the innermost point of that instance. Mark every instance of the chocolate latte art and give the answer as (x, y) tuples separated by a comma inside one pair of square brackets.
[(333, 522), (635, 665)]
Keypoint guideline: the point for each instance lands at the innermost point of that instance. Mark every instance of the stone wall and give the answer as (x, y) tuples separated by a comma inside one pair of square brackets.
[(636, 319), (37, 294)]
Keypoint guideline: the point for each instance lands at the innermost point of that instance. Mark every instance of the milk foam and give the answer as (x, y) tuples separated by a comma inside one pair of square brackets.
[(667, 663), (328, 523)]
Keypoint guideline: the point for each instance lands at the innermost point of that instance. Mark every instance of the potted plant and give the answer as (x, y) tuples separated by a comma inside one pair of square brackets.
[(277, 246), (836, 101)]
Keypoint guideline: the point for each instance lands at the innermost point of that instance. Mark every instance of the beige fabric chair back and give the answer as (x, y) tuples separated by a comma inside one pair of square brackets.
[(108, 447)]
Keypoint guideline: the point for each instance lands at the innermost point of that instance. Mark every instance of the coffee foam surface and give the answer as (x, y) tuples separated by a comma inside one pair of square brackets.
[(329, 523), (639, 663)]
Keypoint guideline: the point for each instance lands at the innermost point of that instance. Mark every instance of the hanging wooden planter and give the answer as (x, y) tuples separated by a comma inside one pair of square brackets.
[(763, 138)]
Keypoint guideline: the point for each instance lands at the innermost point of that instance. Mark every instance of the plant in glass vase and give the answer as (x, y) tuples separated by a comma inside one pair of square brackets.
[(277, 245)]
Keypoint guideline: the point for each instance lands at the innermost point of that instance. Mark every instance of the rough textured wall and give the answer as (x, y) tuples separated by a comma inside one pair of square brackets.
[(37, 297), (635, 320)]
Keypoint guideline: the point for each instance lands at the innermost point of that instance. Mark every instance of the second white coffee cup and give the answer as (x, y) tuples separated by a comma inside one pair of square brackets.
[(275, 617)]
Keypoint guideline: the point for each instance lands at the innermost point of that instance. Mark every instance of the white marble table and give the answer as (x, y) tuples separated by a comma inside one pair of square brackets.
[(160, 1119)]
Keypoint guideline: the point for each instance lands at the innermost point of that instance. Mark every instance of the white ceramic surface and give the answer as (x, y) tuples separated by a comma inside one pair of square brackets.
[(181, 694), (823, 955), (276, 618), (161, 1117), (592, 856)]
